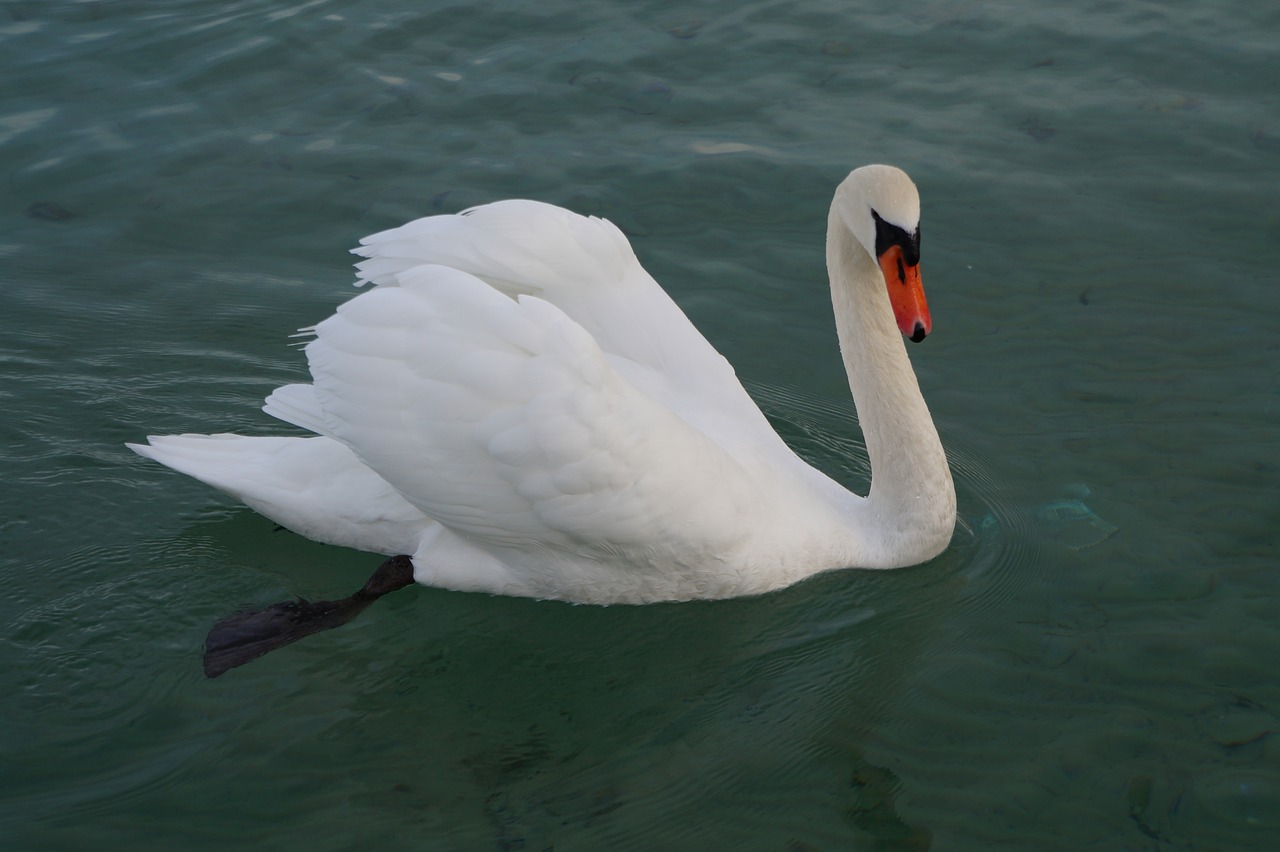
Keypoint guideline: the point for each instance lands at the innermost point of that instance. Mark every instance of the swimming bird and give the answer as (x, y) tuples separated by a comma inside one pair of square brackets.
[(516, 407)]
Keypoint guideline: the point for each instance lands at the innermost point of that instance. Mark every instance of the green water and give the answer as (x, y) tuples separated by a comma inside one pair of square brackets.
[(1091, 665)]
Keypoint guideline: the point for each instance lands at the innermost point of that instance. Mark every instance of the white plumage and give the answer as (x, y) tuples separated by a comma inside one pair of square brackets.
[(521, 408)]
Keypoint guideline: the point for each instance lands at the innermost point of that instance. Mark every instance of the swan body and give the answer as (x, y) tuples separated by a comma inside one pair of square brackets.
[(519, 407)]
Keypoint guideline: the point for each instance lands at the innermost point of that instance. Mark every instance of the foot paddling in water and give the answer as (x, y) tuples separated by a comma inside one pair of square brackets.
[(247, 635)]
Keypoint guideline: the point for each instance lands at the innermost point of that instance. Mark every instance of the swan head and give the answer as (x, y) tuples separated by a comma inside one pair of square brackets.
[(881, 208)]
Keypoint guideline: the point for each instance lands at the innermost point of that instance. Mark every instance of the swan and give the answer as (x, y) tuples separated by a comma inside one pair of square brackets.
[(516, 407)]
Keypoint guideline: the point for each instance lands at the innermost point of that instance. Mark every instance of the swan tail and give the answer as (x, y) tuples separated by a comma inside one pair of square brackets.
[(313, 486)]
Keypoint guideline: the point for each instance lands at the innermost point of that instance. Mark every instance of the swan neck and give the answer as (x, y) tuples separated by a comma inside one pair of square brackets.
[(912, 499)]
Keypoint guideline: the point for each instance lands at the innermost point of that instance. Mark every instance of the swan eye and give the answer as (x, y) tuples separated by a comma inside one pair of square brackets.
[(888, 235)]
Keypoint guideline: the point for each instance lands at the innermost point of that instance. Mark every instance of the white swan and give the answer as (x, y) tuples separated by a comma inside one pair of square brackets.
[(520, 408)]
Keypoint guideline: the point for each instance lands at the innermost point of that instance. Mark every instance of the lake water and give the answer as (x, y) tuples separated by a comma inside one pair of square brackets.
[(1092, 664)]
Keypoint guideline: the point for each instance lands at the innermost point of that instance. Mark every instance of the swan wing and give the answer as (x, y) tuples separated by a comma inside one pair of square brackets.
[(505, 420), (297, 404), (586, 267)]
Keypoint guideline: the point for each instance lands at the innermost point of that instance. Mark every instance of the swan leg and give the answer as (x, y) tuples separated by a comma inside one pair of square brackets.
[(245, 636)]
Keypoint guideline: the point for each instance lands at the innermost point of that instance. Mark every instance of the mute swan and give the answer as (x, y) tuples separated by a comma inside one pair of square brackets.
[(518, 408)]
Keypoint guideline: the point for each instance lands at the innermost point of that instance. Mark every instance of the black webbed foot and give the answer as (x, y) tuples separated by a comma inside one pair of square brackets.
[(247, 635)]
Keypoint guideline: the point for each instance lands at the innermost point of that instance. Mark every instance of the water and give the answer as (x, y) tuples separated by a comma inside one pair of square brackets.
[(1090, 665)]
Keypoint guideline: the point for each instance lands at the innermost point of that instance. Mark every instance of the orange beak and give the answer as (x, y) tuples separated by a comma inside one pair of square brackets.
[(906, 294)]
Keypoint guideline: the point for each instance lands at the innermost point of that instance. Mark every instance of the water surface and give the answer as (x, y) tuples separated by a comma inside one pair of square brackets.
[(1090, 665)]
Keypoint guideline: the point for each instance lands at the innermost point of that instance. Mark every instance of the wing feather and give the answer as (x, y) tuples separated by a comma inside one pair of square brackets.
[(503, 419), (586, 268)]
